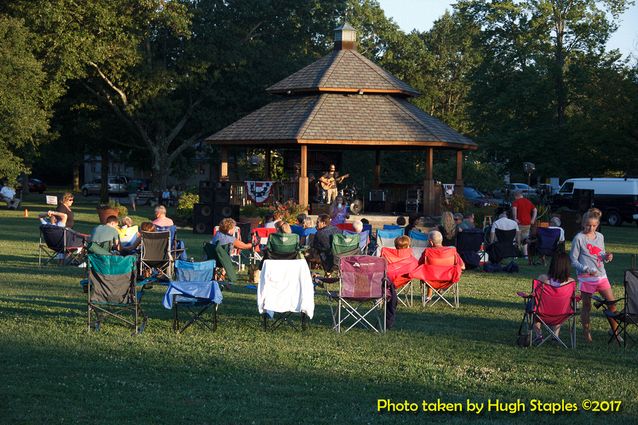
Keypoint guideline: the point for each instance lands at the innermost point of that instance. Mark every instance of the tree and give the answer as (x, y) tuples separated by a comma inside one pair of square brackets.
[(24, 109)]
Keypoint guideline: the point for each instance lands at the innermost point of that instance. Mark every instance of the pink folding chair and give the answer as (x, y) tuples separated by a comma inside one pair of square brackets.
[(551, 306), (401, 263), (362, 289)]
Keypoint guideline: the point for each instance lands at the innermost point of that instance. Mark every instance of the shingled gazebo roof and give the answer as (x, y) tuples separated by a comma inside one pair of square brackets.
[(342, 99)]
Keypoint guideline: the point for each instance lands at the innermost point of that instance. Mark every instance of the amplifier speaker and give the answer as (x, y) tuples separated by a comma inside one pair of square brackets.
[(571, 223), (221, 192), (375, 206), (203, 219), (224, 211), (206, 195)]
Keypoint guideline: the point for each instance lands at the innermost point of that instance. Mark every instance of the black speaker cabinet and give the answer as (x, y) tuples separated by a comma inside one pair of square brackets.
[(224, 211), (245, 231), (221, 192), (571, 223), (206, 195), (203, 219)]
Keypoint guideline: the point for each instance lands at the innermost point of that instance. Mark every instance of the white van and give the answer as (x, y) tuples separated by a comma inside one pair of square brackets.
[(617, 198)]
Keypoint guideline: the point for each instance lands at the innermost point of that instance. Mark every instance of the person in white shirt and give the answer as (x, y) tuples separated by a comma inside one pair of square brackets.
[(504, 223), (554, 223), (53, 217)]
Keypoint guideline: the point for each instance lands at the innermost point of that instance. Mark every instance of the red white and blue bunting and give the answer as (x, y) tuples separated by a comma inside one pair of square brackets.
[(258, 191)]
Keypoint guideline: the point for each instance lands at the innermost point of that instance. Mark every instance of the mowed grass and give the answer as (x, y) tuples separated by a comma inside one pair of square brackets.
[(54, 371)]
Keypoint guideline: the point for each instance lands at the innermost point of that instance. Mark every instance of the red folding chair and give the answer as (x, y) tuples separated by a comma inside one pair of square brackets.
[(551, 306), (440, 278), (401, 263), (345, 226)]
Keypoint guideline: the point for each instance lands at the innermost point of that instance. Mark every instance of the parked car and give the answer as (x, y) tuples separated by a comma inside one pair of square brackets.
[(476, 198), (35, 186), (617, 198), (512, 187), (117, 186)]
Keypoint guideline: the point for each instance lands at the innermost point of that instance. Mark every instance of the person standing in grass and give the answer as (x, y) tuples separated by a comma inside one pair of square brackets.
[(588, 257)]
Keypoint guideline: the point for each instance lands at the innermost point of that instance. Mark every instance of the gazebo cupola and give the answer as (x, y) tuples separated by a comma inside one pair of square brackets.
[(345, 37)]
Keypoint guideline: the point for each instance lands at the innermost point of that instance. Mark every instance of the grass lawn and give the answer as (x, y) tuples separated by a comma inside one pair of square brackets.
[(53, 371)]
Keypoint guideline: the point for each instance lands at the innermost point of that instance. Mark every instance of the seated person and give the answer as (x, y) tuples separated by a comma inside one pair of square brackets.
[(53, 217), (106, 235), (497, 249), (308, 230), (128, 232), (131, 248), (338, 211), (283, 227), (401, 221), (301, 218), (438, 255), (321, 247), (160, 217), (467, 223), (8, 195), (225, 235), (557, 276), (402, 242), (269, 221), (448, 228), (401, 262), (458, 220), (555, 223)]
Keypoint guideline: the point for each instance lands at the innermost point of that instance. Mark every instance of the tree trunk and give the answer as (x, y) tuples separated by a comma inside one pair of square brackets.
[(104, 174)]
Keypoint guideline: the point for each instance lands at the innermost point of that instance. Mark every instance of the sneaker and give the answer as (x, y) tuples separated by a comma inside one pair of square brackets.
[(82, 265)]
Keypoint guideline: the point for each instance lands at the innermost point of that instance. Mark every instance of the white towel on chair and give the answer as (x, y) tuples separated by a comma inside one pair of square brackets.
[(286, 285)]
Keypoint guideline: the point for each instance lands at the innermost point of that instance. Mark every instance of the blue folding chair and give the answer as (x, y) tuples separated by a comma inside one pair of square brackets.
[(297, 230), (391, 227), (385, 238), (196, 292), (418, 242)]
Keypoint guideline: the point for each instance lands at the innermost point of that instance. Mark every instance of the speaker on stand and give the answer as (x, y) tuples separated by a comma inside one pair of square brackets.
[(224, 211), (203, 219)]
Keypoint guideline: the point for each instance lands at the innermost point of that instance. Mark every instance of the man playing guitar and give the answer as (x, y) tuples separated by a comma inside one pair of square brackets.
[(329, 182)]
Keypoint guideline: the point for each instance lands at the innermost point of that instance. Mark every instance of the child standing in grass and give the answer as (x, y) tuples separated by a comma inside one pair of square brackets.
[(588, 256)]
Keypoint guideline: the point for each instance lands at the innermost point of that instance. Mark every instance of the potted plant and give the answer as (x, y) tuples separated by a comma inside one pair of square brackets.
[(112, 207)]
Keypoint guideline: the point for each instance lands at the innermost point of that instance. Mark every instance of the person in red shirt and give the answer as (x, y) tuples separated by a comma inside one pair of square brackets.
[(524, 212)]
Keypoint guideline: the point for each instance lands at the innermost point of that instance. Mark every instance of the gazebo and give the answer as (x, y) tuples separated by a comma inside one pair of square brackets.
[(344, 101)]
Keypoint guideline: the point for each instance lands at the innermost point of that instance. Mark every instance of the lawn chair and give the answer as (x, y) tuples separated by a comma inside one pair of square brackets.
[(155, 254), (260, 240), (441, 279), (469, 245), (297, 230), (546, 244), (178, 251), (503, 247), (220, 253), (195, 292), (61, 243), (114, 292), (345, 226), (362, 293), (385, 238), (401, 263), (285, 287), (392, 227), (551, 306), (364, 240), (283, 246), (418, 242), (628, 316)]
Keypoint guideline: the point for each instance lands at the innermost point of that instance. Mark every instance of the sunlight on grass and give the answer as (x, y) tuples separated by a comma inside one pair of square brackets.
[(54, 371)]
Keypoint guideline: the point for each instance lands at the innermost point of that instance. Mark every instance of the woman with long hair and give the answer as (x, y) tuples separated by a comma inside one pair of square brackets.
[(448, 229), (338, 211)]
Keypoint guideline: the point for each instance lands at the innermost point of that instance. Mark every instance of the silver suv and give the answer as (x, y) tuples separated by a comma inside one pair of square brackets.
[(117, 186)]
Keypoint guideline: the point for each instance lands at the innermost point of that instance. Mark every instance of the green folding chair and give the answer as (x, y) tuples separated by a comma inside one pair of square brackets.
[(113, 292), (283, 246), (221, 254)]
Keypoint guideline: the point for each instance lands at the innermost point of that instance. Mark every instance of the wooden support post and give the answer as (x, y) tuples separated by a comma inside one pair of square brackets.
[(429, 197), (223, 167), (459, 173), (268, 164), (377, 169), (303, 176)]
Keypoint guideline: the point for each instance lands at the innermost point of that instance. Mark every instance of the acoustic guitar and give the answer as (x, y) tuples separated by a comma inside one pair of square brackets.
[(330, 182)]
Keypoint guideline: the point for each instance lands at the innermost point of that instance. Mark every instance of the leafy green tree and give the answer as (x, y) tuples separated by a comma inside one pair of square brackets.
[(24, 109)]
